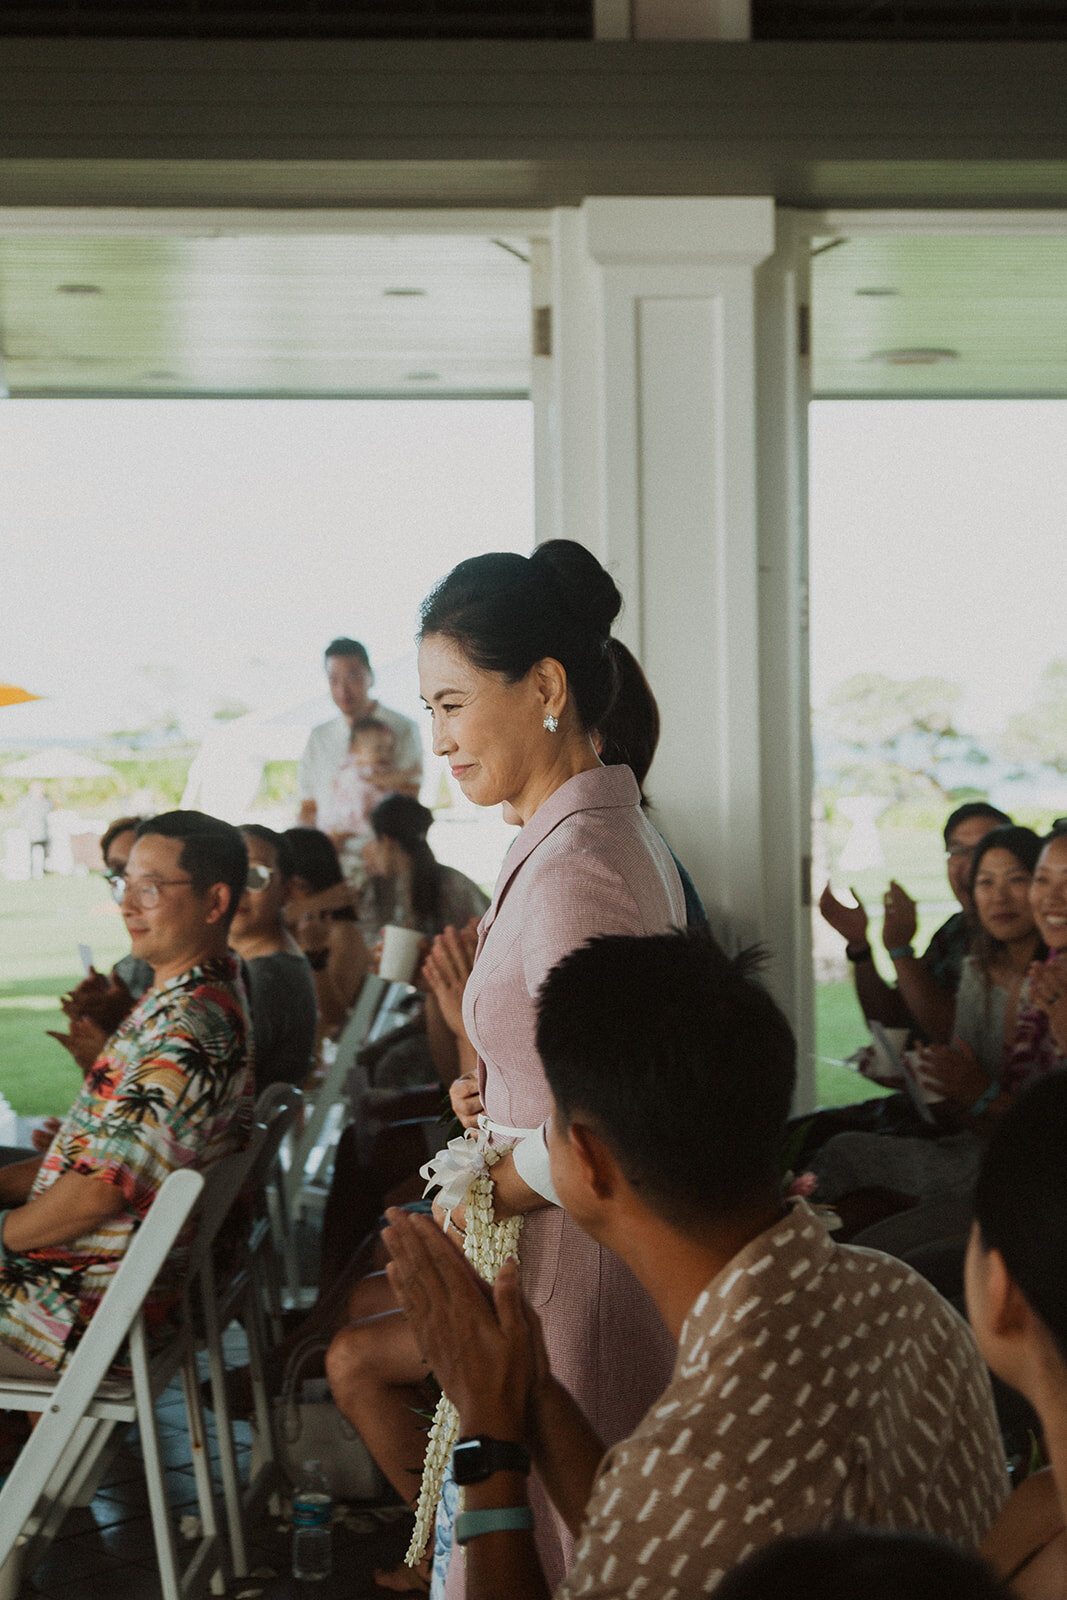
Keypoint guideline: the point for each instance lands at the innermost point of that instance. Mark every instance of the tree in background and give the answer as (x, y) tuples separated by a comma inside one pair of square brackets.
[(1038, 735), (896, 737)]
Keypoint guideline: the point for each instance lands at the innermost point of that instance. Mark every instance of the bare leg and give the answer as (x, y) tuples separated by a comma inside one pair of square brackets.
[(377, 1378)]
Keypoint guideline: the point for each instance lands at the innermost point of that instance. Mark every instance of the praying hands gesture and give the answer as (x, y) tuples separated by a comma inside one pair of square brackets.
[(483, 1345), (1048, 991)]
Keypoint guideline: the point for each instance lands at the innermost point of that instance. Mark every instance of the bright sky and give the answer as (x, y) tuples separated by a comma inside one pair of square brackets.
[(939, 545), (223, 543)]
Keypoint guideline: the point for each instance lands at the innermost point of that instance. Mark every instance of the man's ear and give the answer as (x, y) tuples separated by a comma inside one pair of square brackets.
[(1007, 1309), (218, 900), (597, 1165)]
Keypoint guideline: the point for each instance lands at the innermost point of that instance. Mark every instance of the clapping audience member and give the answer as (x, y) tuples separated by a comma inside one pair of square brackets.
[(1016, 1284), (281, 991), (349, 675), (873, 1563), (97, 1005), (1040, 1043), (814, 1383), (924, 997), (321, 914), (968, 1074)]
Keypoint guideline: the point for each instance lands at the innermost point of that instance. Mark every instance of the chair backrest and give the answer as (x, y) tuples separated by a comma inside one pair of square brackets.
[(223, 1182), (66, 1404), (276, 1110), (332, 1088)]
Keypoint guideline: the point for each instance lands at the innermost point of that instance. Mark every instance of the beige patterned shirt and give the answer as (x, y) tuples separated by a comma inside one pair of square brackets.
[(815, 1383)]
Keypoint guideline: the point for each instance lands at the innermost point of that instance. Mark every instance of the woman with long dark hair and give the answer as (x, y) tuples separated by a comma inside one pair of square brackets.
[(405, 883)]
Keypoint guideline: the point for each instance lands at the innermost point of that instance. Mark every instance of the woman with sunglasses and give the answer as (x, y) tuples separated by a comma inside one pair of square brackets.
[(321, 914), (281, 989)]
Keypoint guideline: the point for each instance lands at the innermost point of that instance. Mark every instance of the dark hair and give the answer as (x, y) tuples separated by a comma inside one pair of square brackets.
[(850, 1561), (506, 612), (1020, 1199), (348, 647), (212, 851), (402, 818), (120, 826), (682, 1062), (283, 850), (629, 733), (1025, 845), (314, 858), (974, 808)]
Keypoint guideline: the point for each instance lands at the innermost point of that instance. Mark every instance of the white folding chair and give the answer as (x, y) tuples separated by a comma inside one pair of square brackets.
[(305, 1187), (81, 1406), (250, 1290)]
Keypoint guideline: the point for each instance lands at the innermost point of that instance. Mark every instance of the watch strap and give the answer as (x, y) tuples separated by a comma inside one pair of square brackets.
[(499, 1519), (901, 952), (985, 1100)]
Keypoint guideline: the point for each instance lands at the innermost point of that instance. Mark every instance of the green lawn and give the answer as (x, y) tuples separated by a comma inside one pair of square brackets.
[(41, 925), (839, 1030)]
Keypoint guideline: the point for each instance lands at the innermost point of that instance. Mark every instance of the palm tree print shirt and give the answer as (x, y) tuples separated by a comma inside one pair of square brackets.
[(172, 1088)]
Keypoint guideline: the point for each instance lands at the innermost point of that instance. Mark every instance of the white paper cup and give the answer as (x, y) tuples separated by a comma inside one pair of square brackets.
[(400, 953)]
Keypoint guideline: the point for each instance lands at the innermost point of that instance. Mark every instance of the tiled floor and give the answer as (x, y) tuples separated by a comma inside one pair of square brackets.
[(105, 1552)]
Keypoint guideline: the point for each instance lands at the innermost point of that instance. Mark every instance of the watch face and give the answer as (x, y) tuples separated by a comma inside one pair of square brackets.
[(468, 1465)]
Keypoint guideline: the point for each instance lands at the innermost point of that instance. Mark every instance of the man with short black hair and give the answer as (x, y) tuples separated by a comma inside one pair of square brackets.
[(350, 677), (815, 1383), (925, 994), (171, 1088)]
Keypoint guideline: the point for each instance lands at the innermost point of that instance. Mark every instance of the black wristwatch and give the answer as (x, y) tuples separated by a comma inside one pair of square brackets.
[(474, 1460)]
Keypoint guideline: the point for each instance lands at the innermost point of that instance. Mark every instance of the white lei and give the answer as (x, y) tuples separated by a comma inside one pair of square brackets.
[(462, 1171)]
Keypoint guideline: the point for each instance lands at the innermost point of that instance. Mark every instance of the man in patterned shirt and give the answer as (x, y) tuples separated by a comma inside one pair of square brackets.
[(171, 1088), (815, 1383)]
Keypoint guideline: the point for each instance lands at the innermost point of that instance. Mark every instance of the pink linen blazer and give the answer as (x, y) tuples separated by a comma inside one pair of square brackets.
[(588, 862)]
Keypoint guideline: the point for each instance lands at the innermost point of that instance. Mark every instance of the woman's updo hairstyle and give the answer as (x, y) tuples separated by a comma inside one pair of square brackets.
[(506, 612), (1020, 1200)]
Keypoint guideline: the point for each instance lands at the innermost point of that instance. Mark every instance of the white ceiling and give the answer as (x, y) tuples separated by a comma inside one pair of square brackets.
[(263, 314)]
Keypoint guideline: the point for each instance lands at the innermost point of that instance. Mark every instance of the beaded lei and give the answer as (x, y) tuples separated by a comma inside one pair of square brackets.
[(487, 1244)]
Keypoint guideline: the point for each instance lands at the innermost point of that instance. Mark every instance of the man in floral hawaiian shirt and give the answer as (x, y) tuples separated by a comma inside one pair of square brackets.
[(171, 1088)]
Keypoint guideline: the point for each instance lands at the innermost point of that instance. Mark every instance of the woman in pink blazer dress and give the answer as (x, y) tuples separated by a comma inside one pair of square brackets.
[(514, 664)]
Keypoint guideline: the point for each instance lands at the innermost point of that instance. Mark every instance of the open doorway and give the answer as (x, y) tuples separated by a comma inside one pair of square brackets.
[(938, 496)]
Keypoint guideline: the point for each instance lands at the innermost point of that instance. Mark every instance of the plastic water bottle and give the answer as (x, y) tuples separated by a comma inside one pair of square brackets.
[(312, 1513)]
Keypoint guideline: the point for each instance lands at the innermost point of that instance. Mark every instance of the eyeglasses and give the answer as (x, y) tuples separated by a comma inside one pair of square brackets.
[(258, 877), (144, 894), (956, 852)]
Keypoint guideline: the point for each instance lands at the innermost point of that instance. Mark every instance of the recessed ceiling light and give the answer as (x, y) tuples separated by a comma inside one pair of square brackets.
[(918, 356), (404, 294), (422, 377), (79, 288), (878, 293)]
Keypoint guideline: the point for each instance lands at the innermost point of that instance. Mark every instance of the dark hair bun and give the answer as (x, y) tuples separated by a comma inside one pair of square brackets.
[(587, 590)]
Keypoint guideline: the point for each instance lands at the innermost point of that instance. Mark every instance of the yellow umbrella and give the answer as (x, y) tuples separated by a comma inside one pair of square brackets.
[(11, 695)]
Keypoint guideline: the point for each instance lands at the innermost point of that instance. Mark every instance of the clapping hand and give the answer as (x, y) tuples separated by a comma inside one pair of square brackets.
[(446, 970), (901, 917), (953, 1070), (466, 1099), (1048, 991), (106, 1002), (84, 1041), (849, 921), (480, 1343)]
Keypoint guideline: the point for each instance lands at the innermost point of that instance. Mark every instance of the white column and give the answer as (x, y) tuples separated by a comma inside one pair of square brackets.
[(659, 449)]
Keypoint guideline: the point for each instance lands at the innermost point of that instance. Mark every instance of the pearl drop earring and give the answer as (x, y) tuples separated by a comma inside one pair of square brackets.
[(551, 723)]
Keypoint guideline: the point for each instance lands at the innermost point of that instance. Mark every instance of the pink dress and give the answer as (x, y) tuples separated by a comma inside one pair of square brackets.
[(588, 862)]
